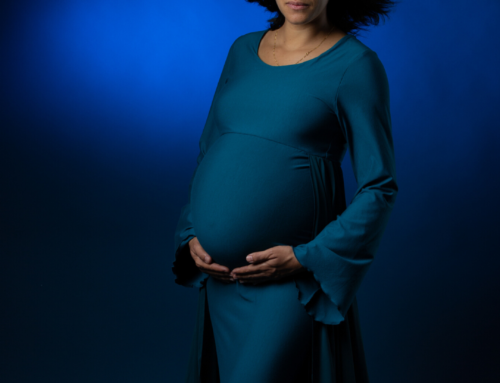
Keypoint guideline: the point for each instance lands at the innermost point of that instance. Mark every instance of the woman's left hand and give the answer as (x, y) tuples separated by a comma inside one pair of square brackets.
[(271, 264)]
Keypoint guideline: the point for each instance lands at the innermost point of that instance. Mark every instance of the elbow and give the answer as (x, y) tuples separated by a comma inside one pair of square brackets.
[(390, 191), (385, 189)]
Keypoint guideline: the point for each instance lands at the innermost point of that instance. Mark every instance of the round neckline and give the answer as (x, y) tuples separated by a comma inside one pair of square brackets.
[(341, 41)]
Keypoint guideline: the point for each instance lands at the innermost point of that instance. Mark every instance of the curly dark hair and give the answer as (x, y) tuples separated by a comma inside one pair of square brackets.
[(350, 16)]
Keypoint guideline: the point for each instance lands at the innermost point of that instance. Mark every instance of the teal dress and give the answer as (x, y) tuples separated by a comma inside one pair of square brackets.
[(269, 174)]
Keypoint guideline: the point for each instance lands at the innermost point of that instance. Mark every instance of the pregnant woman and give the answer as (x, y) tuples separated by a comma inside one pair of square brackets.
[(266, 236)]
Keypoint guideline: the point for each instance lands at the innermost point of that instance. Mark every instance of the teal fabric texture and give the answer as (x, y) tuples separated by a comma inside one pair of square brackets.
[(269, 173)]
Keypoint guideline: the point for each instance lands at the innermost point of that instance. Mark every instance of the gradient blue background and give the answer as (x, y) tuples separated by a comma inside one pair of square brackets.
[(102, 106)]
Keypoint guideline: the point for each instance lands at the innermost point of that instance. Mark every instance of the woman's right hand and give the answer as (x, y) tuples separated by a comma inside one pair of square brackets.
[(205, 263)]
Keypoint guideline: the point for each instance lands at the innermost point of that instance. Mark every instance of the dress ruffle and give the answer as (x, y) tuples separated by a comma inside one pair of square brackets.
[(185, 270)]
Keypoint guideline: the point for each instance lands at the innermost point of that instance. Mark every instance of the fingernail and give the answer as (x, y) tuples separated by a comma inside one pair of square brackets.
[(206, 259), (249, 258)]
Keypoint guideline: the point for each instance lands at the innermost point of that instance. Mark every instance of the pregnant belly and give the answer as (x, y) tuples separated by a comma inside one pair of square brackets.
[(250, 194)]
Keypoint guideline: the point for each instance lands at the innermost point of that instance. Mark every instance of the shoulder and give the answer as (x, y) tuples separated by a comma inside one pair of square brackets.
[(364, 79), (362, 71), (249, 37), (246, 40), (359, 54), (242, 48), (362, 58)]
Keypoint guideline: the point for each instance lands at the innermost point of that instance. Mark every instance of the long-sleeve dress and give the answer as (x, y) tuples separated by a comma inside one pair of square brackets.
[(268, 174)]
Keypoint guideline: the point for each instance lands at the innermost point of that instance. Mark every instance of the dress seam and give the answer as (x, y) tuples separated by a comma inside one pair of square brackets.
[(268, 139), (335, 103), (353, 59), (329, 146), (313, 231)]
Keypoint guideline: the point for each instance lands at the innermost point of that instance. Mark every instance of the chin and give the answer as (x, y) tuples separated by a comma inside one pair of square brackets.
[(297, 19)]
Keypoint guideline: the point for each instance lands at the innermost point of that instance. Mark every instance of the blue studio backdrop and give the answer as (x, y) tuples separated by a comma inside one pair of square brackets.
[(102, 106)]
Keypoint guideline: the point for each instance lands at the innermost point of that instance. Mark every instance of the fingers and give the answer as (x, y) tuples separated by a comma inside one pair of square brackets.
[(249, 270), (263, 266), (201, 253), (204, 261), (258, 271), (217, 271), (259, 256), (253, 274), (198, 251), (213, 268)]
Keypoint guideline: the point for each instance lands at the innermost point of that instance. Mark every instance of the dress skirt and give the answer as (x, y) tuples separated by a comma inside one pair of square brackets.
[(262, 332)]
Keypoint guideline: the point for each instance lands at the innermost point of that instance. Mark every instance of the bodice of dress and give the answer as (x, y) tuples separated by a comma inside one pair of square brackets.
[(269, 169), (287, 104)]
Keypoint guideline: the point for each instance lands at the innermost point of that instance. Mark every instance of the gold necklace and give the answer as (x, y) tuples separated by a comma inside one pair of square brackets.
[(274, 47)]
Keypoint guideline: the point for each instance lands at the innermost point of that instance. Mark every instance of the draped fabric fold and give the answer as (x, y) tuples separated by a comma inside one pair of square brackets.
[(329, 200), (202, 364), (337, 351)]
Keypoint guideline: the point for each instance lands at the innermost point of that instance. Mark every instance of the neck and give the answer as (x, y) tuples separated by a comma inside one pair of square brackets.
[(294, 36)]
